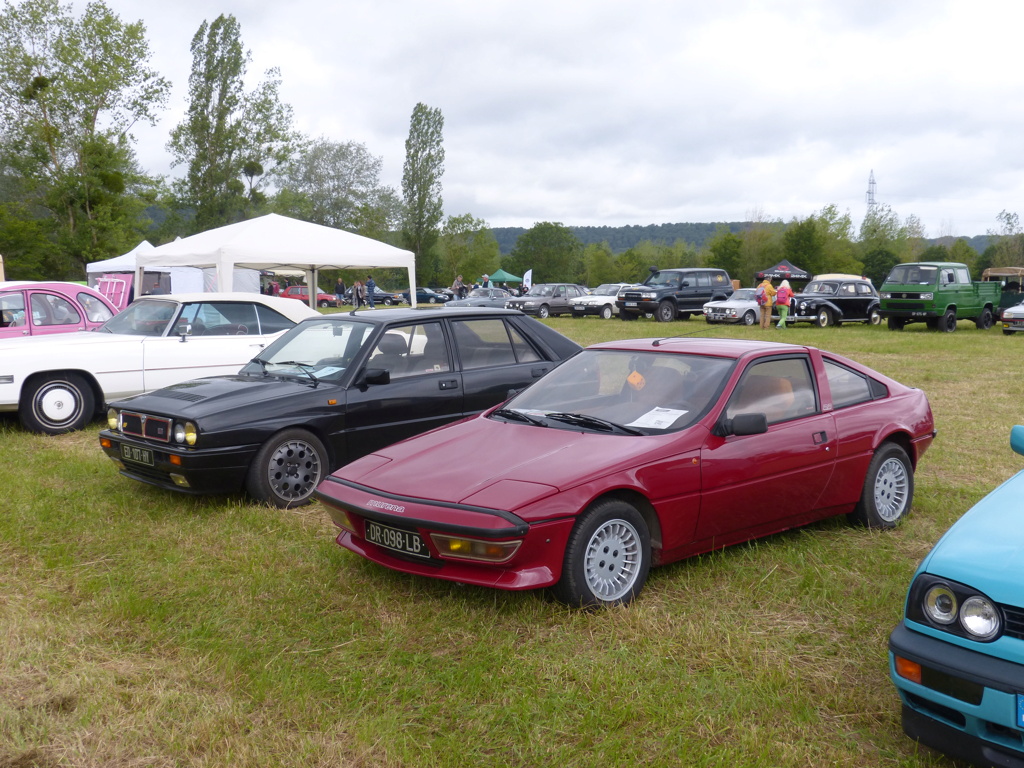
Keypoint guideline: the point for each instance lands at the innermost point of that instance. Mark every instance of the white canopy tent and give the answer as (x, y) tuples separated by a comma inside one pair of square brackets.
[(274, 242)]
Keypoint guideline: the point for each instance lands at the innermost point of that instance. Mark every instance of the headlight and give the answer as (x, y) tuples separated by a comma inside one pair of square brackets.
[(886, 295), (112, 420), (927, 296), (648, 295), (475, 549), (980, 617), (185, 433), (940, 604)]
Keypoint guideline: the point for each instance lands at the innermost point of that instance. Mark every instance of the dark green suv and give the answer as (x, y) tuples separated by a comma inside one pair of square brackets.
[(672, 293)]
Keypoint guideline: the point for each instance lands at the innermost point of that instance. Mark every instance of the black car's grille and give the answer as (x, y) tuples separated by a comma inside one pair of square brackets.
[(630, 296), (1014, 621), (149, 427)]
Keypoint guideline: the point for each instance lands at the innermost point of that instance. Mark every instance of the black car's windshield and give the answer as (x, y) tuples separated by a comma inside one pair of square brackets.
[(619, 392), (821, 287), (145, 317), (313, 349)]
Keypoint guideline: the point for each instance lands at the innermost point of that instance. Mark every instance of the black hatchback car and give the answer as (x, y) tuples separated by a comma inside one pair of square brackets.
[(835, 299), (328, 391)]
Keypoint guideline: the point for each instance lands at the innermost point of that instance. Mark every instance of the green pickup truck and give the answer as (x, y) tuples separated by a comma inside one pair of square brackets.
[(938, 293)]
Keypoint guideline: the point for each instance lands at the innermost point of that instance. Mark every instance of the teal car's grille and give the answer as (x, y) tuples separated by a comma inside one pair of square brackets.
[(1014, 621)]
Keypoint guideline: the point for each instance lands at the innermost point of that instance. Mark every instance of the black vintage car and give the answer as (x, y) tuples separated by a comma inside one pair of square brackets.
[(834, 299), (330, 390)]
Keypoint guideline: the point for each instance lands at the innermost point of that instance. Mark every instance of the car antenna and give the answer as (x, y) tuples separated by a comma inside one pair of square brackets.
[(659, 342)]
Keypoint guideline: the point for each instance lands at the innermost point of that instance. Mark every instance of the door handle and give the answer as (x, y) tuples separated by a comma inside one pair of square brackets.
[(820, 437), (538, 372), (448, 384)]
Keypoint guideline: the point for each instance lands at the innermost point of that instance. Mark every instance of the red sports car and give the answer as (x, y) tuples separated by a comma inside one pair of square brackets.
[(632, 454)]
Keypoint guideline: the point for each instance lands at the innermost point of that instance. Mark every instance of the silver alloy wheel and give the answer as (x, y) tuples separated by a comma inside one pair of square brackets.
[(294, 470), (612, 561), (891, 489)]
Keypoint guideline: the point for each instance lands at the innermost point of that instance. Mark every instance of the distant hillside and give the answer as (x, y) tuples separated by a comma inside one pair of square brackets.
[(623, 238)]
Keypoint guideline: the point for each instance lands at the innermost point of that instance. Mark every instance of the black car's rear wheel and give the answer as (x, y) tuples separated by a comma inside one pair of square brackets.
[(666, 312), (287, 469), (607, 556), (874, 318)]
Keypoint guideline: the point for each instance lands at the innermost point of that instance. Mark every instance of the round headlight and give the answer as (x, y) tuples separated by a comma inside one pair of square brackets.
[(179, 433), (979, 617), (191, 433), (185, 433), (112, 419), (940, 604)]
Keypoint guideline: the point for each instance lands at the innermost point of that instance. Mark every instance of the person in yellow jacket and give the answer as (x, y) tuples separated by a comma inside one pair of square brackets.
[(769, 300)]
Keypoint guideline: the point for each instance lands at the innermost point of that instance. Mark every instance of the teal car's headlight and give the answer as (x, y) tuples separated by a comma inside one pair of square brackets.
[(955, 608)]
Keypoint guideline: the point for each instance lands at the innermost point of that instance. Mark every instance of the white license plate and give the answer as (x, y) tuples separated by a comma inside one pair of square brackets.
[(630, 303), (137, 455), (407, 542), (578, 308)]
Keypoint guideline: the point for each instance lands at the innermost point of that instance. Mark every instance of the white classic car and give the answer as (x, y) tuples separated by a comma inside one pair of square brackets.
[(741, 307), (58, 383), (600, 301)]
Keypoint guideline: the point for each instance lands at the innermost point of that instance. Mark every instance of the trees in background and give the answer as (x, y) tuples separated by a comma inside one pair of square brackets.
[(466, 247), (70, 91), (233, 143), (421, 188), (551, 250)]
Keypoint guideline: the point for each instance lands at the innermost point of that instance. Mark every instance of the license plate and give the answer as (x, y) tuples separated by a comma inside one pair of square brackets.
[(630, 303), (578, 308), (407, 542), (137, 455)]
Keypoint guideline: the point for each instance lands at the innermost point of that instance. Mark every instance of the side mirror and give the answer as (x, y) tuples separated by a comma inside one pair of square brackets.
[(744, 424), (376, 376)]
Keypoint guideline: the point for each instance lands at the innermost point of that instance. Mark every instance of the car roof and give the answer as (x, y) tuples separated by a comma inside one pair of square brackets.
[(734, 348), (290, 308), (400, 314)]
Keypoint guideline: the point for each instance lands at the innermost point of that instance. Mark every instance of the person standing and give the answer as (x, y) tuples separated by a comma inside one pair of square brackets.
[(783, 297), (458, 287), (370, 289), (339, 291), (765, 298), (486, 283), (357, 294)]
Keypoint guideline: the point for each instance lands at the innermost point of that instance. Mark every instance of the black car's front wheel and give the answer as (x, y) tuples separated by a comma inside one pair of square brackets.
[(823, 318), (57, 403), (607, 556), (888, 489), (666, 312), (287, 469)]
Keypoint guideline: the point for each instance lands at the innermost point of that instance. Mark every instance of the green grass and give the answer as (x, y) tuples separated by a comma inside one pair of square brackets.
[(143, 628)]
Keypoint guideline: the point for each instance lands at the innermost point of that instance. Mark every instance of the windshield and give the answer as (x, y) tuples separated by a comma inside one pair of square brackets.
[(743, 294), (650, 392), (820, 287), (672, 279), (323, 349), (146, 317), (608, 289), (913, 274)]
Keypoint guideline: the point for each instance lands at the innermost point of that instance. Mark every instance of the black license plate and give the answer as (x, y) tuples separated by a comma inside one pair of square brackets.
[(406, 542), (137, 455)]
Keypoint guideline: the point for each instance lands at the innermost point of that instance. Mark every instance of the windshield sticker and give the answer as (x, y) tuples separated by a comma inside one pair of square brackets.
[(328, 370), (658, 418)]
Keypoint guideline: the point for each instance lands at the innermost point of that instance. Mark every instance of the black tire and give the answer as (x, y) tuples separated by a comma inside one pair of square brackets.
[(823, 318), (606, 312), (666, 312), (1008, 333), (287, 469), (948, 323), (984, 322), (888, 489), (57, 403), (749, 318), (896, 323), (623, 315), (388, 302), (431, 300), (874, 318), (324, 304), (933, 323), (607, 557), (543, 311), (577, 314)]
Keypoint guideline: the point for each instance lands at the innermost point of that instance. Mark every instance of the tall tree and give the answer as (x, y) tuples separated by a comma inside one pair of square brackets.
[(804, 245), (726, 252), (1008, 240), (599, 265), (551, 250), (421, 188), (233, 143), (71, 89)]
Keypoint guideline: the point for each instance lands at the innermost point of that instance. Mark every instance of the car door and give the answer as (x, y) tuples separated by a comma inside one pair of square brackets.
[(756, 484), (496, 359), (51, 313), (425, 390)]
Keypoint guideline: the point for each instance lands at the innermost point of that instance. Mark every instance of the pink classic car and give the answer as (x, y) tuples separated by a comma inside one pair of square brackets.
[(40, 308)]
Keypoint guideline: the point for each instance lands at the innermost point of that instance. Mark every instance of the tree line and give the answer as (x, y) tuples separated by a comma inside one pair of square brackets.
[(73, 88)]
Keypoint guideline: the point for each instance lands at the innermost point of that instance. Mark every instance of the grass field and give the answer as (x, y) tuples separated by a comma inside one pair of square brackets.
[(143, 628)]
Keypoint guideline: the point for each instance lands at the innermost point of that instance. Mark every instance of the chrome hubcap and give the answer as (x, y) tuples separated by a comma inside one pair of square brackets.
[(612, 561), (891, 488)]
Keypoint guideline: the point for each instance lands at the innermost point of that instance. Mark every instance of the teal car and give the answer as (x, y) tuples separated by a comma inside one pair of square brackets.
[(957, 658)]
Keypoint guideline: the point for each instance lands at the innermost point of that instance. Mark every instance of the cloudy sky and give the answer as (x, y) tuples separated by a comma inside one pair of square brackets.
[(596, 112)]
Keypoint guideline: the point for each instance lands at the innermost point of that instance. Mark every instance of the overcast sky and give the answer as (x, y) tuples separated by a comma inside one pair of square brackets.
[(611, 113)]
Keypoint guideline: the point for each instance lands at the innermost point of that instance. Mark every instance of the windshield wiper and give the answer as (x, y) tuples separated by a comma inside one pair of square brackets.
[(304, 367), (508, 413), (584, 420), (263, 363)]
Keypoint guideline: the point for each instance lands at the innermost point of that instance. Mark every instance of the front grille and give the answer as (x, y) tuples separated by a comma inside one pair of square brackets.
[(150, 427), (1014, 621)]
